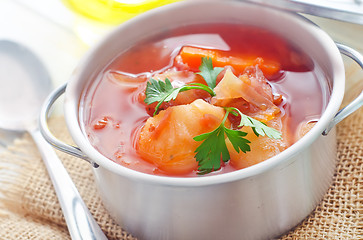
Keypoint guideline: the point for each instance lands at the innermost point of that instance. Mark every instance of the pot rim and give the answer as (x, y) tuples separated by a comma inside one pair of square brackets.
[(73, 96)]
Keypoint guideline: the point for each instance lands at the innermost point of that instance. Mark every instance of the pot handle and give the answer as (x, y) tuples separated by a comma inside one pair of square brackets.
[(49, 137), (356, 103)]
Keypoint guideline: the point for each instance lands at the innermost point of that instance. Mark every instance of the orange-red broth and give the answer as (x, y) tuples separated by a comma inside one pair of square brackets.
[(114, 113)]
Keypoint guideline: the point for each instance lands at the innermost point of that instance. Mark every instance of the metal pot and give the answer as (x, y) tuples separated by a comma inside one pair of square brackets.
[(259, 202)]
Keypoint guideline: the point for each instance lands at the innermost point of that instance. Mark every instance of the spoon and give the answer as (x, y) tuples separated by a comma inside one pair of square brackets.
[(24, 84)]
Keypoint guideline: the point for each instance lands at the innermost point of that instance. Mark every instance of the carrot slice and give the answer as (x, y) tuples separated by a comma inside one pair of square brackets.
[(192, 56)]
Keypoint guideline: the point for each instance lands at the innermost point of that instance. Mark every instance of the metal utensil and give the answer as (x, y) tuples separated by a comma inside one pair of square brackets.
[(342, 10), (24, 84)]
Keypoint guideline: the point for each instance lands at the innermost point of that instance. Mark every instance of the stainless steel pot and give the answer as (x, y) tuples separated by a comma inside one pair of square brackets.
[(259, 202)]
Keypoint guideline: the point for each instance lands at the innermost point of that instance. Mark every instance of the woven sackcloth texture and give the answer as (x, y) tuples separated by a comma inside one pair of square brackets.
[(34, 213)]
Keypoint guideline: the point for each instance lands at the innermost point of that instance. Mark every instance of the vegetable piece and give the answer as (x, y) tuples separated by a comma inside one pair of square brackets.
[(251, 89), (166, 140), (263, 146), (159, 91), (126, 80), (192, 57), (213, 148), (101, 124), (304, 128)]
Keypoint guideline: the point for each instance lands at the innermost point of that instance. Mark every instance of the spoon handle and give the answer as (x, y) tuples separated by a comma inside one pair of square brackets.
[(80, 222)]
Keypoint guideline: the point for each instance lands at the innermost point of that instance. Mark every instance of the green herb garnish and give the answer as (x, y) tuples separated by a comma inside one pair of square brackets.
[(214, 148), (258, 127), (208, 72), (159, 91)]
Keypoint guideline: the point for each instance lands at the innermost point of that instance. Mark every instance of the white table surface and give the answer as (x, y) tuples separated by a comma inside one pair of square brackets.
[(56, 45), (51, 31)]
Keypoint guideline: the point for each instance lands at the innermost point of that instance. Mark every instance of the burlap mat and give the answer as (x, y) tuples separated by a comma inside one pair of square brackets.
[(31, 210)]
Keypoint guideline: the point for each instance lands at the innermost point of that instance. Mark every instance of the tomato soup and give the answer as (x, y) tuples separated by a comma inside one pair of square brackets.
[(284, 89)]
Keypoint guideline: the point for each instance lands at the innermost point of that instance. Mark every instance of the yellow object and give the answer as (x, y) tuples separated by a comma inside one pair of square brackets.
[(113, 11)]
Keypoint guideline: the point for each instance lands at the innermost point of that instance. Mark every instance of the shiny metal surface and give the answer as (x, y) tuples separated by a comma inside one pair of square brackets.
[(348, 10), (25, 83), (49, 137), (259, 202), (357, 102)]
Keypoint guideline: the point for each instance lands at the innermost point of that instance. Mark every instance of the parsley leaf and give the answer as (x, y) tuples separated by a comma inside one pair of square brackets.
[(208, 72), (213, 148), (209, 153), (159, 91), (259, 128), (237, 140)]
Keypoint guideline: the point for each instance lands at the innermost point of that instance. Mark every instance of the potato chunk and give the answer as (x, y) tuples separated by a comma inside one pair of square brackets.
[(167, 141), (262, 147)]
